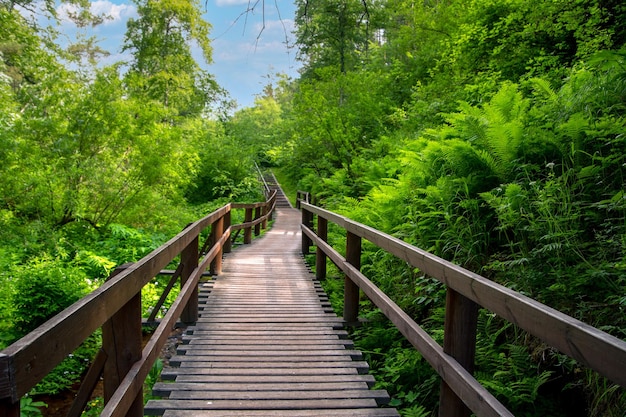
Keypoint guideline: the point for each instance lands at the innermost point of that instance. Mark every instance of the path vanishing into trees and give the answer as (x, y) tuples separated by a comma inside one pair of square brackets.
[(262, 338), (267, 342)]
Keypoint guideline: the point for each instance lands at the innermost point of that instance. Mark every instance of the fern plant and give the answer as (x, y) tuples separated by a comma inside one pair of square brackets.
[(505, 367)]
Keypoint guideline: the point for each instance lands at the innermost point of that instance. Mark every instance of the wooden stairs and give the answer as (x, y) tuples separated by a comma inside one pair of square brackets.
[(267, 343), (281, 200)]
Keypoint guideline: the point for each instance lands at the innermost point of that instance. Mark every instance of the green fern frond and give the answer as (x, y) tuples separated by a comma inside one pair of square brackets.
[(575, 126), (543, 88), (489, 161), (507, 105)]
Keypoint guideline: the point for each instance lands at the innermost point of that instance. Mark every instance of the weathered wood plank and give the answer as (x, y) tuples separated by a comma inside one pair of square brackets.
[(264, 344), (361, 412), (342, 334), (321, 331), (267, 339), (276, 379), (271, 317), (381, 397), (271, 326), (157, 407), (359, 365), (278, 353), (164, 389), (269, 320), (172, 373), (258, 361), (306, 306)]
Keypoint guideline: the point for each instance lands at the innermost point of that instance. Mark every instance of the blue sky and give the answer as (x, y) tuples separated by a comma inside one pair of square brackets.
[(247, 47)]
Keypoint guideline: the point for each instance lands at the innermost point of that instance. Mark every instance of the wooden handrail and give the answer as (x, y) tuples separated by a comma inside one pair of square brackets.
[(27, 361), (302, 196), (590, 346), (254, 217), (266, 188)]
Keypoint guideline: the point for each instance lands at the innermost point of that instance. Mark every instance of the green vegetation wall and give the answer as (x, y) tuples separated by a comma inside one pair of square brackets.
[(490, 132)]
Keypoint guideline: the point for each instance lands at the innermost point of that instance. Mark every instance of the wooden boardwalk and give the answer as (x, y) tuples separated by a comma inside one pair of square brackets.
[(267, 342)]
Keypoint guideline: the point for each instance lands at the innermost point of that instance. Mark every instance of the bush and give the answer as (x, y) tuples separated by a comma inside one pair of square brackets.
[(44, 288)]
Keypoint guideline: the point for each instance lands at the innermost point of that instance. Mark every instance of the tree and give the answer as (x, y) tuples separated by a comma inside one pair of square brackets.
[(334, 33), (163, 68), (81, 149), (34, 5)]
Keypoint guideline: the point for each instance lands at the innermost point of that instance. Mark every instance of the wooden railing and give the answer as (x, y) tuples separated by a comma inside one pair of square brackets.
[(116, 308), (466, 291), (302, 196), (261, 177)]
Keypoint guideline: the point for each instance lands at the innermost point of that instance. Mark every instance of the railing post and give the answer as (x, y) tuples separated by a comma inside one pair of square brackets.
[(307, 220), (257, 215), (320, 256), (189, 259), (217, 230), (9, 405), (247, 232), (459, 341), (228, 245), (121, 341), (264, 211), (272, 203), (9, 409), (351, 290)]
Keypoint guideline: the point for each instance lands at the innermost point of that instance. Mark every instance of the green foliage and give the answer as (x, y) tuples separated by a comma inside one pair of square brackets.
[(30, 408), (504, 153), (153, 377), (151, 293), (334, 33), (94, 407), (605, 398), (489, 132), (226, 170), (163, 68), (43, 289), (333, 132), (506, 368)]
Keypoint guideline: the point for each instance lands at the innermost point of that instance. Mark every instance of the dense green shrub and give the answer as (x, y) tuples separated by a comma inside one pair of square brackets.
[(42, 289), (526, 188)]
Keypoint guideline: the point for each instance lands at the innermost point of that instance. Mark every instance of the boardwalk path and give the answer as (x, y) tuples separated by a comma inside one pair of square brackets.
[(267, 343)]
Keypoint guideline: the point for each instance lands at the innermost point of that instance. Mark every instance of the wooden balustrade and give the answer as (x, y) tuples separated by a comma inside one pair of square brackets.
[(116, 307), (302, 196), (254, 219), (460, 392)]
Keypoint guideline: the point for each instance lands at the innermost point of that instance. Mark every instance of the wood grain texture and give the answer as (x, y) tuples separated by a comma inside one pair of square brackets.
[(464, 385), (592, 347), (36, 354), (361, 412), (266, 341)]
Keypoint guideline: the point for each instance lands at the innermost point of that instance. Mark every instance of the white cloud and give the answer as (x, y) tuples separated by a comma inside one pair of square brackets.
[(226, 3), (280, 27), (113, 13), (116, 12)]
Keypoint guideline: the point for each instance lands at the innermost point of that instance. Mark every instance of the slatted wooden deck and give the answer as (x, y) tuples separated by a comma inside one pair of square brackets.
[(267, 343)]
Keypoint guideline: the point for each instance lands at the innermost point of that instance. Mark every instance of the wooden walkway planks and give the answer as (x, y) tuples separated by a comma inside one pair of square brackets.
[(267, 343)]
